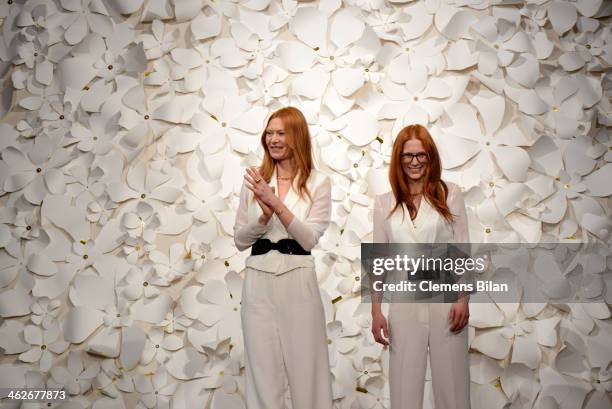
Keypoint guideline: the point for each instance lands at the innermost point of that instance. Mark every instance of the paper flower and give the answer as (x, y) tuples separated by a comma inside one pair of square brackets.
[(335, 240), (83, 16), (147, 186), (139, 116), (34, 55), (36, 173), (269, 86), (176, 320), (27, 225), (45, 312), (374, 394), (155, 391), (138, 283), (143, 223), (569, 190), (100, 209), (110, 65), (42, 343), (340, 340), (113, 379), (496, 146), (222, 308), (26, 261), (366, 369), (159, 42), (173, 266), (75, 377), (229, 117), (518, 333), (160, 346), (284, 10)]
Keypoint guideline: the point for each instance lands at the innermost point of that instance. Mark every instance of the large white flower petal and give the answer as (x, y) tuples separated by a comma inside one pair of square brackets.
[(362, 127), (127, 6), (152, 311), (459, 56), (347, 80), (598, 182), (251, 121), (455, 151), (525, 70), (310, 25), (483, 369), (346, 28), (459, 25), (296, 57), (562, 15), (420, 20), (80, 322), (513, 161), (526, 351), (493, 344), (311, 84), (59, 211), (133, 340), (40, 264), (77, 31), (44, 72), (491, 107)]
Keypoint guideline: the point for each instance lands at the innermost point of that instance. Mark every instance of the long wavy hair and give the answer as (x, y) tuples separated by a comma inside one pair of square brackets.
[(434, 188), (298, 139)]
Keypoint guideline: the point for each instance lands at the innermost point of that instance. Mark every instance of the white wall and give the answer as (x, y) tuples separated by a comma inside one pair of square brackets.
[(126, 128)]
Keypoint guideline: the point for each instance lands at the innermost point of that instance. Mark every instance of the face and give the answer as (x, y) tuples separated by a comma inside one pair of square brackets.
[(276, 140), (414, 159)]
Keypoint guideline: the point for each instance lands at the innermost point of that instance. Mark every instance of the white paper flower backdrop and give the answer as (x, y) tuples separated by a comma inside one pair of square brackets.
[(126, 128)]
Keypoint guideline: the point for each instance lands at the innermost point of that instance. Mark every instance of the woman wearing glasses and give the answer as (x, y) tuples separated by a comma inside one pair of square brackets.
[(285, 207), (421, 208)]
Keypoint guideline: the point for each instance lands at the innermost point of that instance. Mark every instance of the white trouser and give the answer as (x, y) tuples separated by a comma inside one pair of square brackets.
[(412, 328), (285, 339)]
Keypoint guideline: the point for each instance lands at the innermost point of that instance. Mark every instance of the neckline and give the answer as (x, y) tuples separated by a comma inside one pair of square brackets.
[(421, 209), (278, 190), (284, 199)]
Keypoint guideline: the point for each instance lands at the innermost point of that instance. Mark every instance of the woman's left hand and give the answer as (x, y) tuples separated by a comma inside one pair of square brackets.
[(459, 315), (260, 188)]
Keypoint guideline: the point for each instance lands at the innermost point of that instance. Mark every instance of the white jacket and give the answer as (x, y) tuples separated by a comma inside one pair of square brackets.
[(308, 225)]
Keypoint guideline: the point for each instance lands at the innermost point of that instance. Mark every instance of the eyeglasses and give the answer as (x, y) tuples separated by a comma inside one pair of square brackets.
[(421, 156)]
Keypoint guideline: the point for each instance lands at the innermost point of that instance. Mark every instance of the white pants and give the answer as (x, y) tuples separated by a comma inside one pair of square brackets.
[(285, 340), (412, 328)]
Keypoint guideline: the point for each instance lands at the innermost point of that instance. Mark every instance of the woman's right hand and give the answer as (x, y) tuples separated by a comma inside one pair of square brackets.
[(379, 324), (267, 211)]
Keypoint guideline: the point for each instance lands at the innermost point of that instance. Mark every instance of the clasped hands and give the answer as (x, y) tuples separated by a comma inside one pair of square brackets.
[(264, 194)]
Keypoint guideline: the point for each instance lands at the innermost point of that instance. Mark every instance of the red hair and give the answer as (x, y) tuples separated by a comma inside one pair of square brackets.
[(434, 188), (298, 139)]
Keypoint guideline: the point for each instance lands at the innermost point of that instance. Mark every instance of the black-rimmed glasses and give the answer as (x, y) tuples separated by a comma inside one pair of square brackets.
[(421, 156)]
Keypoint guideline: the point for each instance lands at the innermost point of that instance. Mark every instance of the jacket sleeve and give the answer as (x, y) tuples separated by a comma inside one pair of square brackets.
[(380, 212), (308, 232), (461, 237), (245, 233), (456, 204)]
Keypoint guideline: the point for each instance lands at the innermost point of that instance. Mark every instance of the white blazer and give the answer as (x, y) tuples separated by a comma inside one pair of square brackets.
[(310, 221), (428, 227)]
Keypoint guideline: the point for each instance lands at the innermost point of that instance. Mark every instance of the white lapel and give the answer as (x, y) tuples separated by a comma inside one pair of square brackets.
[(291, 197)]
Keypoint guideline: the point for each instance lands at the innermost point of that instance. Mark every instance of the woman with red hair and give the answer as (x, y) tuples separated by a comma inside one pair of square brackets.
[(421, 208), (285, 207)]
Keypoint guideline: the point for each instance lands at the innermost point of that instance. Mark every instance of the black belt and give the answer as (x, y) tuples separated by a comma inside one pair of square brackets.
[(285, 246)]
